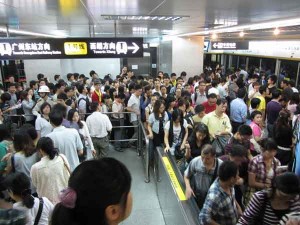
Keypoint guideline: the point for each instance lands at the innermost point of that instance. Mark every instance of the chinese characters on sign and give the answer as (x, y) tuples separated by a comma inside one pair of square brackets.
[(70, 48), (229, 45)]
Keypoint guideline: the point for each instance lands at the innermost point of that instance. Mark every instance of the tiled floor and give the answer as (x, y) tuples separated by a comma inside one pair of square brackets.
[(146, 209)]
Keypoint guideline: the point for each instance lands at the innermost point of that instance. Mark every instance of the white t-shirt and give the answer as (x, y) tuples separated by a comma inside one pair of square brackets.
[(43, 126), (176, 133), (134, 103), (31, 213), (213, 90)]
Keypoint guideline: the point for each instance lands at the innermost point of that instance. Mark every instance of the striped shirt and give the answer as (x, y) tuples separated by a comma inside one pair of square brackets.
[(291, 216), (260, 208)]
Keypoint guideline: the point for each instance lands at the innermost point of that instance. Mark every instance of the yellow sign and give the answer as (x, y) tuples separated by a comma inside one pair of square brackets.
[(174, 179), (75, 48)]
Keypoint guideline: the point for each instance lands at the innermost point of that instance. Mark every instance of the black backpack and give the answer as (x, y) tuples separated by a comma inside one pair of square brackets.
[(88, 104)]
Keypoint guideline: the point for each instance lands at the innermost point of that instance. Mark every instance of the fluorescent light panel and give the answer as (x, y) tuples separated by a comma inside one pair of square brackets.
[(256, 26), (30, 33), (144, 17)]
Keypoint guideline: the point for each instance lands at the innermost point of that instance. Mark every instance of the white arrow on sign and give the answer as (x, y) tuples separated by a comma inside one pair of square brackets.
[(215, 45), (135, 48)]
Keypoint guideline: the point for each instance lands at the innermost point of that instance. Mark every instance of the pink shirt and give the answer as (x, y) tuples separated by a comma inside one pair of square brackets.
[(256, 131)]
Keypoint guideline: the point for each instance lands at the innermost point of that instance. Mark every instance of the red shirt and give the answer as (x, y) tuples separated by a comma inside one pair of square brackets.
[(209, 108), (97, 98)]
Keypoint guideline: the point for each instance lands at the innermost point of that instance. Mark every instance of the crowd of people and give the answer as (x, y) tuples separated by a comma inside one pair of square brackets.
[(234, 136)]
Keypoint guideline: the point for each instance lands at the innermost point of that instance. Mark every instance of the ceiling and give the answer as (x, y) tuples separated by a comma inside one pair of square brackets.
[(77, 18)]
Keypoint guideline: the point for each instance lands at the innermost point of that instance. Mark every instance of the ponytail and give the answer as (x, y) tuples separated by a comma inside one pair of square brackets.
[(28, 199), (46, 145)]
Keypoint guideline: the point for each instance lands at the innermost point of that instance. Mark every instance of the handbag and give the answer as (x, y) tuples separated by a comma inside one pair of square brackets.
[(65, 165), (179, 153)]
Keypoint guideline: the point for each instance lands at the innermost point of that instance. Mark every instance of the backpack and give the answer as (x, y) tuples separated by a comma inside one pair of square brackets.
[(88, 104)]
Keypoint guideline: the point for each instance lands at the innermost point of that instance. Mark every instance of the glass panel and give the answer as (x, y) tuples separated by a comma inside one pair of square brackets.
[(242, 62), (234, 63), (253, 63), (268, 65), (288, 69)]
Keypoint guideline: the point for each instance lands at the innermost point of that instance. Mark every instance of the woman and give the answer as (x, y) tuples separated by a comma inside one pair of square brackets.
[(170, 104), (18, 186), (5, 146), (176, 134), (150, 107), (196, 141), (270, 206), (101, 199), (257, 132), (42, 123), (156, 123), (292, 104), (51, 174), (262, 168), (27, 105), (283, 135), (81, 127), (25, 155)]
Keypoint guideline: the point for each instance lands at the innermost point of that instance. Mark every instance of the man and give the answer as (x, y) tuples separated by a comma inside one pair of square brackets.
[(56, 78), (97, 94), (292, 85), (67, 140), (13, 97), (210, 104), (241, 137), (93, 75), (83, 101), (34, 86), (173, 79), (201, 173), (134, 107), (179, 81), (270, 88), (214, 89), (156, 86), (287, 91), (199, 114), (118, 120), (167, 83), (220, 206), (99, 125), (273, 109), (238, 155), (238, 110), (43, 92), (218, 122), (199, 97)]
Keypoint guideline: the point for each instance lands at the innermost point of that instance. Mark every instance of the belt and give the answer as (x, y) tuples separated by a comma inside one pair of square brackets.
[(283, 148), (99, 137)]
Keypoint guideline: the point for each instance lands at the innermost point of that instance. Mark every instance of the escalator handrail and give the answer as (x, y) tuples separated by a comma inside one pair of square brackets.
[(191, 203)]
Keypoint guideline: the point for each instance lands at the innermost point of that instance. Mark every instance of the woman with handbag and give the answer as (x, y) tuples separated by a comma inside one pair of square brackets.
[(52, 173), (176, 134), (262, 169), (268, 207)]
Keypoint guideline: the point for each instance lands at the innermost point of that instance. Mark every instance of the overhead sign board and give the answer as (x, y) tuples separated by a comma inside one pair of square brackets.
[(229, 45), (206, 46), (47, 48)]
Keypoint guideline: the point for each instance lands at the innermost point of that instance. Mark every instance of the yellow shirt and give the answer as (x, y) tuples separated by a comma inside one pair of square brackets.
[(262, 104), (217, 124)]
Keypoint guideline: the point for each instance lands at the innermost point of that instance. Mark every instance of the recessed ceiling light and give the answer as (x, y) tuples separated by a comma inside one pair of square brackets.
[(242, 34), (144, 17), (276, 31), (214, 36)]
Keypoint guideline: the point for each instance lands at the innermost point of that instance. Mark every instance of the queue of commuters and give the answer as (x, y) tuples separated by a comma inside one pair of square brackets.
[(232, 138)]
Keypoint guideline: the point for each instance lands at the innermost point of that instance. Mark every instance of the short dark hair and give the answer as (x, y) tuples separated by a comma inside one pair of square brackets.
[(262, 89), (56, 76), (254, 113), (221, 101), (241, 93), (292, 83), (137, 86), (11, 84), (245, 130), (212, 95), (94, 106), (56, 115), (285, 82), (255, 103), (238, 151), (5, 97), (227, 170), (40, 76), (276, 93), (268, 144), (273, 78), (44, 106), (80, 88), (62, 96), (32, 83), (199, 108)]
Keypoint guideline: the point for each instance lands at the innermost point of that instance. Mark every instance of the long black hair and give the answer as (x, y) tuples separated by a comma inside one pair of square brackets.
[(177, 113), (98, 184), (46, 145), (202, 128), (19, 184), (70, 117)]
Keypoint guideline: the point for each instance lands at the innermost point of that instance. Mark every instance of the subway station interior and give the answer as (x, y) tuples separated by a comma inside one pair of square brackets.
[(147, 37)]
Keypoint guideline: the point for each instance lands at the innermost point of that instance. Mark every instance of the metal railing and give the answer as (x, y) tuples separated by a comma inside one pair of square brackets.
[(142, 147)]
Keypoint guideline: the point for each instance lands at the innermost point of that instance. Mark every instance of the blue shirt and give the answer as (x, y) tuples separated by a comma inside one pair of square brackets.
[(219, 206), (238, 110)]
